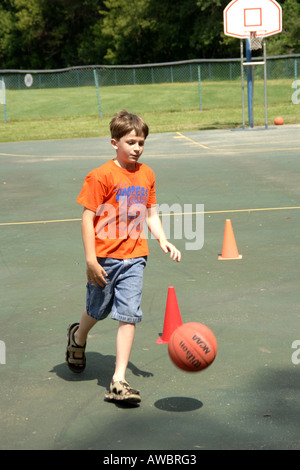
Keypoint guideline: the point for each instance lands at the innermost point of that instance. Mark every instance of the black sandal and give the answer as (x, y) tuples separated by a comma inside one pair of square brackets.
[(75, 364)]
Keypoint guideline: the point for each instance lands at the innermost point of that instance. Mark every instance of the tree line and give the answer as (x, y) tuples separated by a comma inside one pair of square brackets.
[(49, 34)]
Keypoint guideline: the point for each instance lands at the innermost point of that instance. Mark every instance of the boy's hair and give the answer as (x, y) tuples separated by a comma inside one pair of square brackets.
[(124, 122)]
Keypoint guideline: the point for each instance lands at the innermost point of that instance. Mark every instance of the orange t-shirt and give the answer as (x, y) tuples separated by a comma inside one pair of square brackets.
[(120, 199)]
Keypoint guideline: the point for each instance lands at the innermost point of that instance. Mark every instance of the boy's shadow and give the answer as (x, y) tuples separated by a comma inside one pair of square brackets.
[(98, 367), (101, 367)]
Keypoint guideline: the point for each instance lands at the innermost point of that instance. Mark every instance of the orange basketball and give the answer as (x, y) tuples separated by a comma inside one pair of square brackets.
[(192, 347), (278, 121)]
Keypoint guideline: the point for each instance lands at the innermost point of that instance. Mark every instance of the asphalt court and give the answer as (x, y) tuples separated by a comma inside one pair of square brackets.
[(249, 397)]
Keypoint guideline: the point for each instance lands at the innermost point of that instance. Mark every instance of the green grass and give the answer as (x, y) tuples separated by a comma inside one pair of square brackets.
[(73, 112)]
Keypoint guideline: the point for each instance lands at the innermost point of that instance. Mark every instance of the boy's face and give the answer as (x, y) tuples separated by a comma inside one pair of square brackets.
[(129, 149)]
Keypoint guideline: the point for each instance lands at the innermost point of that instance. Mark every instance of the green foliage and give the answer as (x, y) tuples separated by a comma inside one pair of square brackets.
[(289, 41), (43, 34)]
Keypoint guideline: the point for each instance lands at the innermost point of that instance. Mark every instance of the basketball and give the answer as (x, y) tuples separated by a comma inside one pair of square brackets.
[(278, 121), (192, 347)]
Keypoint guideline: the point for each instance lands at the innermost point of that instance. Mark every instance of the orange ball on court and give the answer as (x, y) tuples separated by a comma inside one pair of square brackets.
[(278, 121), (192, 347)]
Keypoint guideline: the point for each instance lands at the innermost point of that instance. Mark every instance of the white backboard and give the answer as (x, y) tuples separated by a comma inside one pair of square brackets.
[(241, 17)]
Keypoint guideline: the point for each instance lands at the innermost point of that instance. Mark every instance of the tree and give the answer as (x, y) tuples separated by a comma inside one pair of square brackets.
[(146, 31), (41, 34), (288, 42), (7, 39), (126, 26), (175, 22), (44, 34)]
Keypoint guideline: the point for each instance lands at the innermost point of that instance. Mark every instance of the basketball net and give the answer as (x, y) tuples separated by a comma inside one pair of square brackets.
[(255, 41)]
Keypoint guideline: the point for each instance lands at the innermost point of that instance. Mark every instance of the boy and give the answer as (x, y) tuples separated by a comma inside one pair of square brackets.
[(117, 197)]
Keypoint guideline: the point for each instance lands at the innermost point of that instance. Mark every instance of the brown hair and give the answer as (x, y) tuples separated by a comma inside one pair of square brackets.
[(124, 122)]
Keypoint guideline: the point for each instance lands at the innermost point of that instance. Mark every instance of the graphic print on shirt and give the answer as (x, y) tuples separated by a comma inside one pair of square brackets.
[(134, 194), (128, 219)]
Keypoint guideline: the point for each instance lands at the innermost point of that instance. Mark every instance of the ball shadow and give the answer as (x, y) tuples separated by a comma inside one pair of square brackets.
[(178, 404)]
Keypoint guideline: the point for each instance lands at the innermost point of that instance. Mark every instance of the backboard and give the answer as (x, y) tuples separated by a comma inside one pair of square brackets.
[(243, 17)]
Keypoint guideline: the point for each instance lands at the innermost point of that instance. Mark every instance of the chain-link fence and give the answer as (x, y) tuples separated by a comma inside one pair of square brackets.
[(98, 90)]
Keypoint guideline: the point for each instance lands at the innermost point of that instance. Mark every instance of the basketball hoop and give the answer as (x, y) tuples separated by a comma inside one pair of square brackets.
[(242, 17), (253, 20), (255, 41)]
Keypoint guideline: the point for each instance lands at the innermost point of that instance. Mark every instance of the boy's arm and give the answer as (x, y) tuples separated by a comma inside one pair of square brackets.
[(95, 273), (155, 226)]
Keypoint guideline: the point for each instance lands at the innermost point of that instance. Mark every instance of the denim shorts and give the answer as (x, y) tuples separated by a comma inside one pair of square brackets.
[(123, 293)]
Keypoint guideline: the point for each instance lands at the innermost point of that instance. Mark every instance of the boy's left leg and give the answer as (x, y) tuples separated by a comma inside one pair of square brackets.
[(127, 310), (124, 342), (119, 388)]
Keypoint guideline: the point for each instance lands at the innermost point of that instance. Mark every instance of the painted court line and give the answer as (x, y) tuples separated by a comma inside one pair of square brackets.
[(230, 147), (52, 156), (181, 136), (39, 222), (227, 211)]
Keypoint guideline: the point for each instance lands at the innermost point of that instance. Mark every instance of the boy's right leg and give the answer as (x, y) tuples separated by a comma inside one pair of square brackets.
[(77, 335), (86, 324)]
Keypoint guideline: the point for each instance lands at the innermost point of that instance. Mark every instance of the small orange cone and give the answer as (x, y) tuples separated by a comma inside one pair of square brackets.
[(230, 250), (172, 317)]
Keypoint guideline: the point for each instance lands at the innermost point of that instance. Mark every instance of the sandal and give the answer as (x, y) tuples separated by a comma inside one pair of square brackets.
[(121, 390), (75, 364)]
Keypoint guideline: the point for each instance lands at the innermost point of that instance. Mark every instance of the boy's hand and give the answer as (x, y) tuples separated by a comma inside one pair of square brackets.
[(96, 274), (166, 246)]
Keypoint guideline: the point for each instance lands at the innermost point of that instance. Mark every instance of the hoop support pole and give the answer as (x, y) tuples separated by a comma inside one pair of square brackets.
[(242, 81), (265, 82)]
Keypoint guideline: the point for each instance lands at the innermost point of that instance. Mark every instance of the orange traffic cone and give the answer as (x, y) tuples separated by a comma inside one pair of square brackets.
[(172, 317), (230, 250)]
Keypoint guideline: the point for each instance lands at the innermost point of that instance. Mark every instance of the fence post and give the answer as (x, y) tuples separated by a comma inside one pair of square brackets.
[(2, 353), (3, 98), (199, 85), (97, 89), (296, 79)]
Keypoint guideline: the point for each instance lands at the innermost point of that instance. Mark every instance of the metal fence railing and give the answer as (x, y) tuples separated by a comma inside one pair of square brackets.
[(94, 90)]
